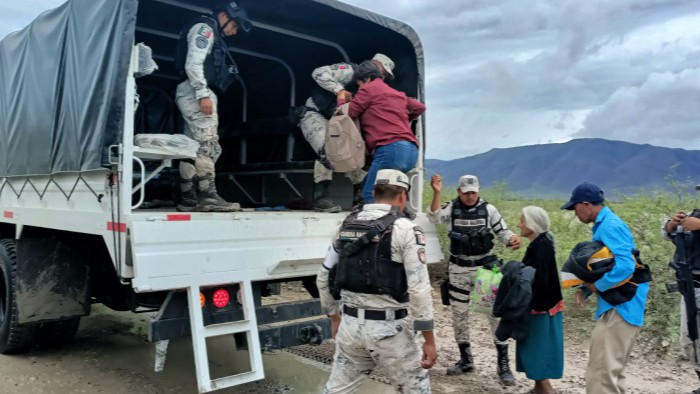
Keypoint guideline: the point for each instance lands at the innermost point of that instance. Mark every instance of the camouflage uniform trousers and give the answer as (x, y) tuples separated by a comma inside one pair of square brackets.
[(692, 352), (203, 129), (313, 126), (463, 278), (391, 345)]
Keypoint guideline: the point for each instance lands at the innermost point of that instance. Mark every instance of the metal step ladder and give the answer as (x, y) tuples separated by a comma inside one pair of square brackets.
[(200, 333)]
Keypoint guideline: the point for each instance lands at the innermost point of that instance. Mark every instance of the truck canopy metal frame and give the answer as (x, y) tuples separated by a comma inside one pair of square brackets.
[(70, 173), (71, 74)]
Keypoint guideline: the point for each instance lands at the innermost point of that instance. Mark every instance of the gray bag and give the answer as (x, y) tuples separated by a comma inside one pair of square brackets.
[(345, 148)]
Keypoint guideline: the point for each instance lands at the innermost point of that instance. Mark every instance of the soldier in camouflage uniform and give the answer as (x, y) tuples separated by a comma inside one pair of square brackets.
[(375, 328), (201, 59), (333, 84), (471, 221), (690, 224)]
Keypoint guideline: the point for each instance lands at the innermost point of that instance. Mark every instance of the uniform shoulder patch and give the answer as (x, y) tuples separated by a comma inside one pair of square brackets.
[(205, 31), (444, 205), (420, 235), (421, 256), (201, 42)]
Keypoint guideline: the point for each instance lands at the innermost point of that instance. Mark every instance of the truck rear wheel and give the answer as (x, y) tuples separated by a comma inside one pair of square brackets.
[(14, 338)]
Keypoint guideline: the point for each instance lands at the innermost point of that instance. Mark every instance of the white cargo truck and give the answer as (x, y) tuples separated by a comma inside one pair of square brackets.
[(75, 229)]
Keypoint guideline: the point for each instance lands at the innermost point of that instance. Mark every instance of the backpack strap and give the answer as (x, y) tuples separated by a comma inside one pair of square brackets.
[(382, 225)]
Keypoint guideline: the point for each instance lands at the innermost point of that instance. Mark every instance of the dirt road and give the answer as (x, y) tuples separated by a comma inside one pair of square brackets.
[(110, 355)]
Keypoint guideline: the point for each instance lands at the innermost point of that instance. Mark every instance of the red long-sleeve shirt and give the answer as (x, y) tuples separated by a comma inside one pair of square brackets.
[(384, 114)]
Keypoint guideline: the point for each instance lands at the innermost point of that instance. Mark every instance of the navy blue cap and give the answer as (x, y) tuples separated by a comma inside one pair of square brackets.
[(585, 192)]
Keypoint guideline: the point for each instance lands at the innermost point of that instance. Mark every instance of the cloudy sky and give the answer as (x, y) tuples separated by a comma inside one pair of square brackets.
[(503, 73)]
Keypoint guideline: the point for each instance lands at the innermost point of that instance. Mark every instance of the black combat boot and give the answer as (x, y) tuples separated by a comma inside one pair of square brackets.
[(698, 390), (209, 199), (466, 361), (504, 374), (321, 201), (188, 196), (357, 199)]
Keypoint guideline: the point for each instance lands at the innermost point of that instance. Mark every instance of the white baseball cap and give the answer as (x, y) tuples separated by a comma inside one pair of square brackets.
[(386, 62), (392, 177), (469, 183)]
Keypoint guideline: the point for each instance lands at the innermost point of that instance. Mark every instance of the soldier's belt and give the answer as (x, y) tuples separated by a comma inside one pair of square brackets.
[(473, 263), (371, 314)]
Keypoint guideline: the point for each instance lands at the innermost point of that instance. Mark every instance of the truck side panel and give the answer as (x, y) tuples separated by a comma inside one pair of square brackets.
[(258, 245)]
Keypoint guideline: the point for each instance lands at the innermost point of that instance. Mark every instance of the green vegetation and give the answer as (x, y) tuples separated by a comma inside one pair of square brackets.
[(643, 214)]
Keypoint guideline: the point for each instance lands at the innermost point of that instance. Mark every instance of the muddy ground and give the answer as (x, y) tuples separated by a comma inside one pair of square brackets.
[(110, 355)]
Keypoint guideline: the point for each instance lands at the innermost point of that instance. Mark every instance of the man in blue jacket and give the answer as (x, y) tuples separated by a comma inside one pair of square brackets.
[(617, 326)]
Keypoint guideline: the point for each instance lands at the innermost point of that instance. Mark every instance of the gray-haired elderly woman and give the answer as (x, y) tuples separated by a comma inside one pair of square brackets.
[(540, 355)]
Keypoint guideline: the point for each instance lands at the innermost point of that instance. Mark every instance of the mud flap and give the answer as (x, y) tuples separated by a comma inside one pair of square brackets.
[(52, 280)]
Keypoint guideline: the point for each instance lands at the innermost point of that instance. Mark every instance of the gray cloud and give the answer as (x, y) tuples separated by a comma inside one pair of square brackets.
[(662, 111), (518, 68)]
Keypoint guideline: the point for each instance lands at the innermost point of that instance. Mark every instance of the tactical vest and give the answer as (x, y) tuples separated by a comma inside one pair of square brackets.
[(365, 264), (326, 101), (470, 234), (218, 74)]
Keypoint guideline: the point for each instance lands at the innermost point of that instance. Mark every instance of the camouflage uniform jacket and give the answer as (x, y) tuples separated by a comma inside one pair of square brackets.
[(333, 78), (200, 41)]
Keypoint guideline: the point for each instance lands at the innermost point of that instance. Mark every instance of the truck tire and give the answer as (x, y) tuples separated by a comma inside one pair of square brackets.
[(14, 338), (57, 332)]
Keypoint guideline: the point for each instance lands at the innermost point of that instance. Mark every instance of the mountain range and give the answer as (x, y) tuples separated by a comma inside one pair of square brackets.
[(553, 170)]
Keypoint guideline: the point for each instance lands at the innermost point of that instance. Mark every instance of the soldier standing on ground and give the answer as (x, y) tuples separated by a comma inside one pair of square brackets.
[(471, 222), (691, 230), (378, 264)]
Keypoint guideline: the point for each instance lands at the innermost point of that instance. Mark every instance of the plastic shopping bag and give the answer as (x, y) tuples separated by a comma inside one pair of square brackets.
[(485, 289)]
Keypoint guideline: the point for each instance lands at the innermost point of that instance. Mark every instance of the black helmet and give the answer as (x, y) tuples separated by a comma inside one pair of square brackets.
[(236, 13)]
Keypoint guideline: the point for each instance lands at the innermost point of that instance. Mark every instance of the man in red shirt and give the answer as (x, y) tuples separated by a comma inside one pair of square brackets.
[(384, 115)]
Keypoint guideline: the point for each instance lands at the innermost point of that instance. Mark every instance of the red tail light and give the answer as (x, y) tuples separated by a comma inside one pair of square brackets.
[(221, 298)]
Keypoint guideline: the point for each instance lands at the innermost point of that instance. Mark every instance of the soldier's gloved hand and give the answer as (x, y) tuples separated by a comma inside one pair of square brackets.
[(206, 105)]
